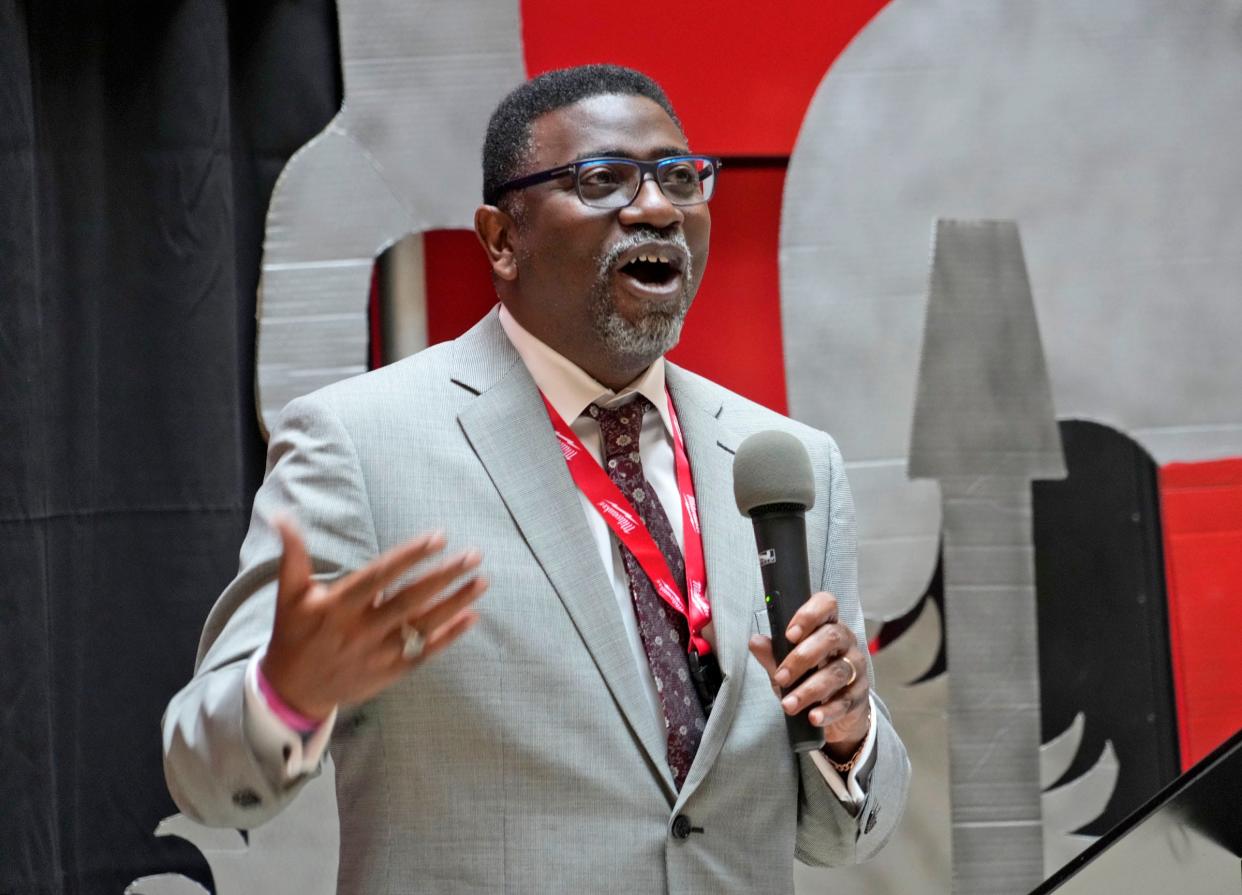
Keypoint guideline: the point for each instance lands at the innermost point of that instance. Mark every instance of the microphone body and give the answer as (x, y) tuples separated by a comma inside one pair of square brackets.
[(780, 535), (774, 485)]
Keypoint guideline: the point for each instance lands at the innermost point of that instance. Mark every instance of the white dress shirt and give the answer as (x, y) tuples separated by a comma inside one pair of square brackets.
[(569, 390)]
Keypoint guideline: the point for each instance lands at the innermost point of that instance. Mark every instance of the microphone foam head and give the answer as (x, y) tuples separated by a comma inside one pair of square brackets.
[(772, 468)]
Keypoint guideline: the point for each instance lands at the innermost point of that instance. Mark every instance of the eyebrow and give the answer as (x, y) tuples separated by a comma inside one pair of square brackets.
[(660, 152)]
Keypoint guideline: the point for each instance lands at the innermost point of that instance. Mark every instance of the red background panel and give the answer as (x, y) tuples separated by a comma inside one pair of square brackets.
[(732, 335), (1201, 506), (740, 74), (459, 283)]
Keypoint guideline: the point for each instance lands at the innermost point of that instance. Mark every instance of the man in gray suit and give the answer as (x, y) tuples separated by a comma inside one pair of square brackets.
[(589, 728)]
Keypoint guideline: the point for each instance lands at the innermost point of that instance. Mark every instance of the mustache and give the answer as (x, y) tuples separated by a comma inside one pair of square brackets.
[(612, 255)]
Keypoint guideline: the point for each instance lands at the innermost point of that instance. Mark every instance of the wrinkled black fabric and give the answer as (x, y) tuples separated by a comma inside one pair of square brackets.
[(139, 143)]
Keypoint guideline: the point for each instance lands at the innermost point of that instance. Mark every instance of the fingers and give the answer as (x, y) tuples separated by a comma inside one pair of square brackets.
[(830, 688), (821, 645), (404, 603), (761, 648), (825, 668), (819, 610), (449, 607), (845, 709), (294, 576), (362, 585), (330, 642)]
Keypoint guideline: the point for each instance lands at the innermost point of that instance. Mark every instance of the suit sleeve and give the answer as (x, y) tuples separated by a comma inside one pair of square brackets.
[(828, 834), (214, 772)]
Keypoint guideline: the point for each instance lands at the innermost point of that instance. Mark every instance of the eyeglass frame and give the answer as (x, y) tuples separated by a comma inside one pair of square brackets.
[(644, 168)]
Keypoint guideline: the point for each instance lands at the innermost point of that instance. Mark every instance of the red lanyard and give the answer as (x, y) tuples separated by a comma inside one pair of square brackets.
[(628, 526)]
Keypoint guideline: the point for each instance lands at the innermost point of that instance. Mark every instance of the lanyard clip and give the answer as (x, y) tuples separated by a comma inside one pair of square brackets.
[(706, 675)]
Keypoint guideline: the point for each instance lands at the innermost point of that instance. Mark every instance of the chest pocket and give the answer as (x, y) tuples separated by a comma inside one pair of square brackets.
[(759, 622)]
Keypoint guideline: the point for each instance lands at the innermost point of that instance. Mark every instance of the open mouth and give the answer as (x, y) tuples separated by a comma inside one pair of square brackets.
[(652, 268)]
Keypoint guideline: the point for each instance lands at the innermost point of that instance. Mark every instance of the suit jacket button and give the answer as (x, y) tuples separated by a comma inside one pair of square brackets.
[(681, 827)]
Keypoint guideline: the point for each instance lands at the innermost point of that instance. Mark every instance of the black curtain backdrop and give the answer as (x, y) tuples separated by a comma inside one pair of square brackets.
[(139, 143)]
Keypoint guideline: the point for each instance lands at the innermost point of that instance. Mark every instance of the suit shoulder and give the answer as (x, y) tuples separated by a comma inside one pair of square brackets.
[(745, 417), (421, 378)]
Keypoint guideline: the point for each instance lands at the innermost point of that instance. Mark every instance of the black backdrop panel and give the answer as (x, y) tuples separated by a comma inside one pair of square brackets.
[(1103, 620), (139, 144)]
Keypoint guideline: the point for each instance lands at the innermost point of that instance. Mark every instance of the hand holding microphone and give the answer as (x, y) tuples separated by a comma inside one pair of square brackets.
[(814, 661)]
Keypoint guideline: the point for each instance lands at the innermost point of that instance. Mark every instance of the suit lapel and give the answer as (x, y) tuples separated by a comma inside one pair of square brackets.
[(508, 428), (729, 552)]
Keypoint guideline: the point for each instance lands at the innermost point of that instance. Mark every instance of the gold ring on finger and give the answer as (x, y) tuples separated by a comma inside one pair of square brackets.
[(853, 670)]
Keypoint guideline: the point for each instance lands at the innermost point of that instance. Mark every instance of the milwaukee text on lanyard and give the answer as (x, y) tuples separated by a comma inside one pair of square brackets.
[(628, 526)]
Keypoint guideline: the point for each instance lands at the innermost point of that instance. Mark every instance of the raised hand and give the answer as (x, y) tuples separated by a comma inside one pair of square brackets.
[(342, 643)]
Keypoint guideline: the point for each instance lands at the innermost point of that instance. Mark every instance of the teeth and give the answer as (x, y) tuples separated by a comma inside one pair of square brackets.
[(653, 259)]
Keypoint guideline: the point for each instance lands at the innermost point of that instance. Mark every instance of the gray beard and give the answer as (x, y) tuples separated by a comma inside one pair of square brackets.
[(656, 331)]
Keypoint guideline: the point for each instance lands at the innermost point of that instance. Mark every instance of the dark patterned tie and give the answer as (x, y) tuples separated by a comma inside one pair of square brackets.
[(662, 628)]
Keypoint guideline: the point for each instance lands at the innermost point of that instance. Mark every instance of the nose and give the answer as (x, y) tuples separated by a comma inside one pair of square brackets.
[(651, 207)]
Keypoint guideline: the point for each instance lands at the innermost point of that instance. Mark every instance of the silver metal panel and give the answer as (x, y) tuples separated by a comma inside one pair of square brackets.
[(323, 230), (403, 298), (898, 535), (330, 204), (983, 405), (306, 339), (984, 427), (985, 862), (401, 157), (1106, 129)]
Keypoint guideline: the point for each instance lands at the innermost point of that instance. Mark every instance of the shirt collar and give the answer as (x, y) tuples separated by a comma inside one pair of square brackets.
[(569, 388)]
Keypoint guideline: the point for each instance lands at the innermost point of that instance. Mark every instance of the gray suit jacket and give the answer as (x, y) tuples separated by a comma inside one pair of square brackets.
[(526, 757)]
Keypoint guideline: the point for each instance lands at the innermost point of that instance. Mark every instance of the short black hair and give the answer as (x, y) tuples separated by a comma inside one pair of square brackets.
[(507, 144)]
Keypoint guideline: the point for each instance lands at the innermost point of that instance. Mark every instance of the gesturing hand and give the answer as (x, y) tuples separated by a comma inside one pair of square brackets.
[(839, 688), (338, 643)]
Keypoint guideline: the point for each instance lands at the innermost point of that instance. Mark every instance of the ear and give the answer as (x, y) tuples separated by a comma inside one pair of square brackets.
[(497, 234)]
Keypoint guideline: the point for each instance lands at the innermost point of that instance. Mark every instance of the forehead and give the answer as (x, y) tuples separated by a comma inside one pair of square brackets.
[(610, 124)]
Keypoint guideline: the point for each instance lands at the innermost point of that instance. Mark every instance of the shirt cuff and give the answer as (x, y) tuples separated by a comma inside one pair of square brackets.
[(269, 735), (849, 789)]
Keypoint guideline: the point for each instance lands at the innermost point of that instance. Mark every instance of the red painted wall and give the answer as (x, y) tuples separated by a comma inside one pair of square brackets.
[(733, 332), (740, 74), (458, 280), (1201, 506)]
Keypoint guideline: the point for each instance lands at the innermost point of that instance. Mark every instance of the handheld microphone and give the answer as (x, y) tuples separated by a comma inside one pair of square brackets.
[(775, 486)]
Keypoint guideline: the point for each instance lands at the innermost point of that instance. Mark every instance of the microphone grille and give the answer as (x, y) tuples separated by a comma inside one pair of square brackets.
[(772, 467)]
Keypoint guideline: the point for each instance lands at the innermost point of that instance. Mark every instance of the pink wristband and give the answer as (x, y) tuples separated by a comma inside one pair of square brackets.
[(294, 719)]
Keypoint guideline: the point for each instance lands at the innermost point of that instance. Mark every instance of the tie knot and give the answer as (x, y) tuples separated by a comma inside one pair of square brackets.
[(620, 426)]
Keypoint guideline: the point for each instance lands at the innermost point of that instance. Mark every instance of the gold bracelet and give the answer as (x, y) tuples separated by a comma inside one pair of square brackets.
[(844, 767)]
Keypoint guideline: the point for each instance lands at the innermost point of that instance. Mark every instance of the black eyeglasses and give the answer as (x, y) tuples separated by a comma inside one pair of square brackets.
[(615, 182)]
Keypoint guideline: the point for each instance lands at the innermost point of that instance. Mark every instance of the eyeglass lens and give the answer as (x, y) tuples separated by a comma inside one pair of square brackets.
[(614, 183)]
